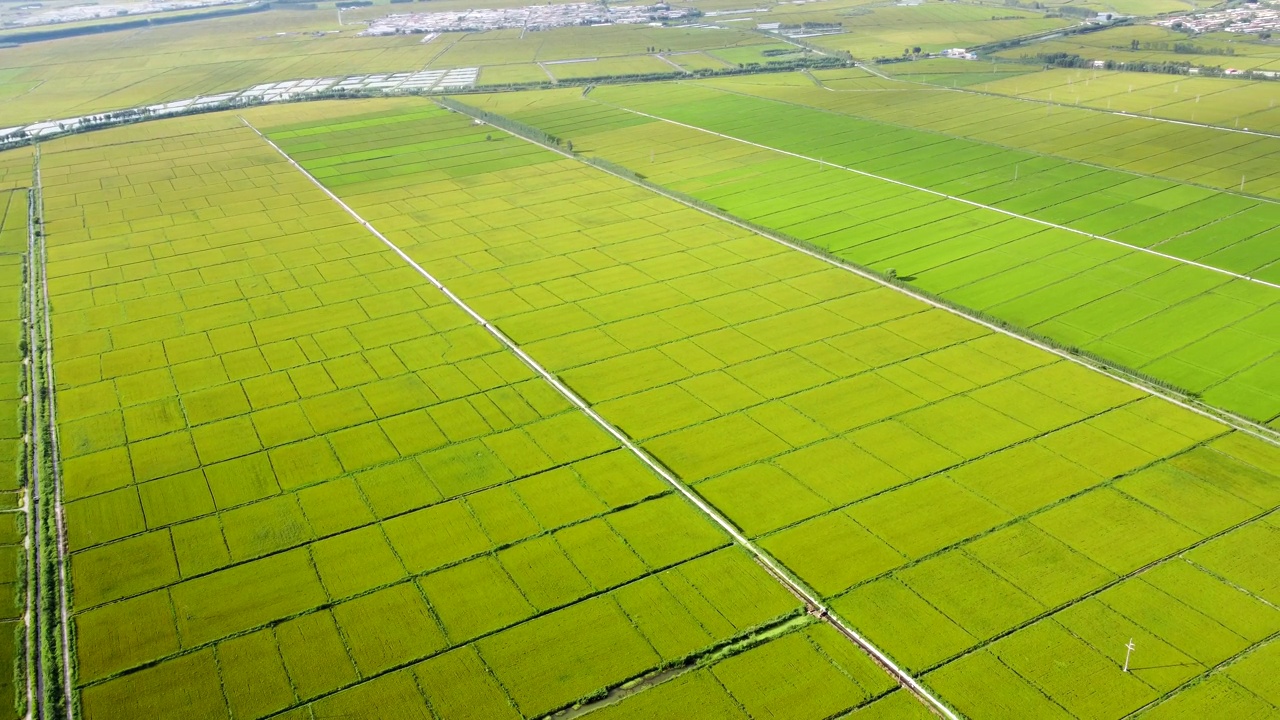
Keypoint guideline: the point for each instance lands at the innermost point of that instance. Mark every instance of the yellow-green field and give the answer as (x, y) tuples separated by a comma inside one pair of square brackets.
[(912, 389), (329, 483)]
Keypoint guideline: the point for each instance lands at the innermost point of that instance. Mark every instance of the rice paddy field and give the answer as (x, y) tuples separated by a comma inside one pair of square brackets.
[(114, 70), (1073, 270), (932, 389), (1230, 103), (1190, 154), (638, 65), (947, 72), (301, 480), (13, 254), (295, 470), (933, 27)]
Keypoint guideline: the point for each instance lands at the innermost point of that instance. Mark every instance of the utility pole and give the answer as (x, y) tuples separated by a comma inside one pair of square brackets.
[(1127, 653)]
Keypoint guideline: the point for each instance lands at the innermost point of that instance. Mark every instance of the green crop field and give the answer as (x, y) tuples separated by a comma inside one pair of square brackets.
[(886, 31), (1230, 103), (822, 414), (1182, 153), (752, 364), (13, 255), (1144, 311), (290, 461)]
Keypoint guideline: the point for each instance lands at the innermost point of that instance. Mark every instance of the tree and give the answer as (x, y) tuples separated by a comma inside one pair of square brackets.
[(1133, 44), (915, 50)]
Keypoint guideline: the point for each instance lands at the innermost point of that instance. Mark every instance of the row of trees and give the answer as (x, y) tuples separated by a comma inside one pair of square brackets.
[(1072, 60)]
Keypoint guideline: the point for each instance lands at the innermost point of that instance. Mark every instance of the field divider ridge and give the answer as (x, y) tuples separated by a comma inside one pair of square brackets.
[(945, 196), (793, 585)]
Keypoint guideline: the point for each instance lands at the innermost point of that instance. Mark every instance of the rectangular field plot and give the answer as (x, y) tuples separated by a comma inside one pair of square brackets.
[(300, 480), (946, 487), (1147, 312)]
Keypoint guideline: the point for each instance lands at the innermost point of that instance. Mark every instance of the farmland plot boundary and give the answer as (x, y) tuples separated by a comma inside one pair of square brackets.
[(564, 515), (879, 610), (1038, 153), (1147, 384), (945, 196), (793, 585)]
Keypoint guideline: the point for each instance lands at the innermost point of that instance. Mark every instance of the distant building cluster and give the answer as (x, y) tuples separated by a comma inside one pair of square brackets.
[(531, 17), (1254, 18), (79, 13)]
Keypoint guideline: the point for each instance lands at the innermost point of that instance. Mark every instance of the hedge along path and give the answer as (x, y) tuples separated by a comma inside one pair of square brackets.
[(38, 253), (945, 196), (797, 588), (32, 620)]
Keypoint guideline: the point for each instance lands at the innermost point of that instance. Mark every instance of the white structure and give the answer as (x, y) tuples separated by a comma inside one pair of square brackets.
[(531, 17)]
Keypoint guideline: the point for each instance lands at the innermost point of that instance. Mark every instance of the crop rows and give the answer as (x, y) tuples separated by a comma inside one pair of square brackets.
[(1183, 153), (1233, 103), (1190, 326), (885, 31), (1220, 229), (295, 471), (962, 498)]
